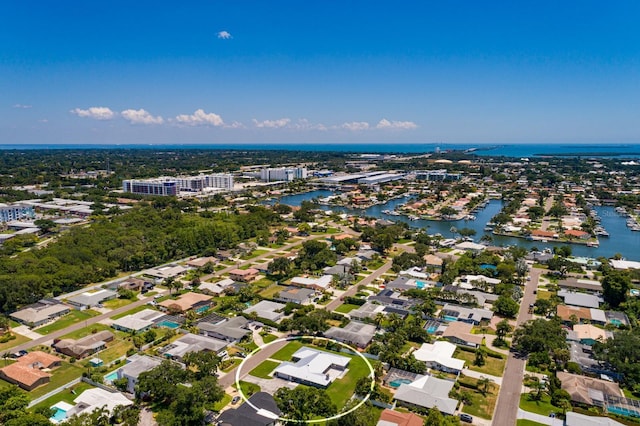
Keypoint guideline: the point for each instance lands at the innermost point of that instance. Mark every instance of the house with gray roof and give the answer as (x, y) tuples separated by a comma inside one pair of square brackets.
[(266, 309), (136, 365), (88, 300), (231, 330), (138, 322), (40, 313), (84, 346), (192, 343), (367, 311), (355, 333), (298, 295), (580, 299), (388, 297), (473, 316), (427, 392), (247, 415)]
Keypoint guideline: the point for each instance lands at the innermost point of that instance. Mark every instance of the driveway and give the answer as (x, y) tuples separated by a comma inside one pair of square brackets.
[(270, 386), (506, 411)]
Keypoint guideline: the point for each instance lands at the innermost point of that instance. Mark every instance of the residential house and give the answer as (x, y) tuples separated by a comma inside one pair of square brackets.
[(433, 263), (459, 333), (355, 333), (231, 330), (135, 284), (136, 365), (187, 302), (460, 313), (247, 415), (244, 275), (84, 346), (580, 299), (166, 272), (588, 334), (95, 399), (576, 419), (471, 247), (388, 297), (266, 309), (396, 418), (215, 288), (300, 296), (427, 392), (40, 313), (439, 355), (312, 367), (31, 370), (138, 322), (89, 300), (201, 262), (573, 283), (192, 343), (367, 311), (570, 313), (588, 390), (317, 283)]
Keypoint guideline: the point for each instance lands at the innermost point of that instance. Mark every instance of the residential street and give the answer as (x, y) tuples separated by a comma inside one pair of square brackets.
[(506, 411)]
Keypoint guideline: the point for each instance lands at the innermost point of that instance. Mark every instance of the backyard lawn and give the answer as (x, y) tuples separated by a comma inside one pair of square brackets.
[(341, 390), (262, 371), (492, 366), (59, 377), (117, 303), (268, 337), (85, 331), (131, 311), (115, 350), (269, 292), (345, 308), (71, 318), (66, 396)]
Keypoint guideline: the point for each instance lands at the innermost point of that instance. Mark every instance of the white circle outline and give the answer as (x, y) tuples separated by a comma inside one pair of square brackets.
[(292, 338)]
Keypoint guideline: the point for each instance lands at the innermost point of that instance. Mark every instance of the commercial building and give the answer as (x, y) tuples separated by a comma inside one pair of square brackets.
[(17, 211), (167, 186), (283, 174), (437, 175)]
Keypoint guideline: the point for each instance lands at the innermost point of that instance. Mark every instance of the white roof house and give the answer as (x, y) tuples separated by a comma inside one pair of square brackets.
[(321, 283), (96, 398), (136, 365), (439, 355), (428, 392), (467, 281), (312, 367), (139, 321), (268, 310), (624, 264)]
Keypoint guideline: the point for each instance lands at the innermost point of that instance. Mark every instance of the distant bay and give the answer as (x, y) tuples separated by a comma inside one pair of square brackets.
[(602, 150)]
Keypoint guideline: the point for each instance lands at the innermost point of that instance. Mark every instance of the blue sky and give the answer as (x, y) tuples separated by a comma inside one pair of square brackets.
[(297, 71)]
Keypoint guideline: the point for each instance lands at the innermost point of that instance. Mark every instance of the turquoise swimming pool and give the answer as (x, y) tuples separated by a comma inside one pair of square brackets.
[(419, 284), (111, 376), (202, 309), (450, 318), (59, 416), (396, 383), (432, 329), (168, 324)]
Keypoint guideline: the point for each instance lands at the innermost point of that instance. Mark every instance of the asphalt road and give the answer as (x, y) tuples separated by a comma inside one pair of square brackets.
[(230, 378), (506, 412)]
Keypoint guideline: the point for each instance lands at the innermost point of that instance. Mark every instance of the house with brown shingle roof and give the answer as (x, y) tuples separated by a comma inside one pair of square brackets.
[(85, 346), (587, 390), (28, 372), (186, 302), (244, 275)]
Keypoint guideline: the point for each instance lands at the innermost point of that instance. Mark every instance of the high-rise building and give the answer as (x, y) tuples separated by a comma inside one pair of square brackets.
[(283, 174), (174, 185), (9, 212)]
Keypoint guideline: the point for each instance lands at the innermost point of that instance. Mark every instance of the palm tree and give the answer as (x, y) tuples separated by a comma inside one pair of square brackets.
[(483, 385)]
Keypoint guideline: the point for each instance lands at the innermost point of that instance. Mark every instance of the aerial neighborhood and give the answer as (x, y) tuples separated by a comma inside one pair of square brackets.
[(377, 289)]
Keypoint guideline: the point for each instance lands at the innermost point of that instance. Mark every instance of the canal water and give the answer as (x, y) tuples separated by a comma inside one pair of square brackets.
[(622, 240)]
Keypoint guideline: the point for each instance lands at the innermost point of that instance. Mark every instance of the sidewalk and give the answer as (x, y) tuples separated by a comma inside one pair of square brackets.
[(539, 418)]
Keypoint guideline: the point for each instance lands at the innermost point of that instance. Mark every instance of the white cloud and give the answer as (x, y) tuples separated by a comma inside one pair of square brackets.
[(272, 124), (234, 125), (355, 126), (98, 113), (22, 106), (200, 118), (224, 35), (402, 125), (304, 124), (140, 116)]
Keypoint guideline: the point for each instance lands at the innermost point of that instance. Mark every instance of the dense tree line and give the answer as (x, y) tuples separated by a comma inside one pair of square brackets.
[(144, 237)]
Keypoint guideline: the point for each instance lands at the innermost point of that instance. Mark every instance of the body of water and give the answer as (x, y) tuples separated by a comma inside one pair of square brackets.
[(614, 150), (622, 239)]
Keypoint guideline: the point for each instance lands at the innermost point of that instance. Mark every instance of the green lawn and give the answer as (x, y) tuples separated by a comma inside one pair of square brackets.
[(59, 377), (492, 366), (226, 399), (262, 283), (264, 369), (254, 253), (66, 396), (269, 292), (114, 350), (268, 337), (345, 308), (248, 388), (20, 339), (542, 407), (481, 406), (231, 364), (85, 331), (71, 318), (341, 390), (525, 422), (117, 303), (285, 353), (131, 311)]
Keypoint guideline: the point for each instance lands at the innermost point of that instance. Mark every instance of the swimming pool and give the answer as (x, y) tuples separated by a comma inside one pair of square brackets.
[(60, 413), (450, 318), (202, 309), (397, 382), (419, 284), (168, 324), (616, 322), (634, 292), (432, 329), (111, 376)]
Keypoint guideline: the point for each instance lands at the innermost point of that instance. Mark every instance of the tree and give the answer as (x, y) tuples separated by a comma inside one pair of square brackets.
[(448, 211), (615, 286), (502, 329), (543, 306), (45, 225), (206, 363), (281, 266), (365, 415), (622, 353), (481, 354), (304, 403), (467, 232), (160, 382), (539, 335), (506, 306), (483, 385)]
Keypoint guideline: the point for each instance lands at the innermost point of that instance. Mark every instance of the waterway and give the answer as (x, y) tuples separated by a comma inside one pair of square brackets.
[(622, 240)]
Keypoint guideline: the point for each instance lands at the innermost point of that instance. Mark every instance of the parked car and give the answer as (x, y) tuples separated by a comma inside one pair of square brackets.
[(235, 400), (466, 418)]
